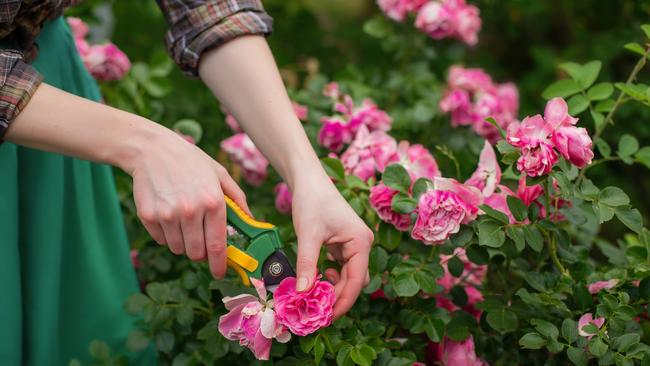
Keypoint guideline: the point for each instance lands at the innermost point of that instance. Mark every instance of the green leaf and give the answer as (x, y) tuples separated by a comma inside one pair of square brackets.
[(456, 266), (532, 341), (533, 237), (405, 285), (419, 187), (589, 73), (517, 235), (573, 69), (561, 88), (495, 214), (307, 343), (403, 204), (545, 328), (434, 328), (570, 330), (355, 182), (378, 259), (517, 208), (625, 341), (627, 145), (597, 347), (189, 280), (600, 91), (613, 196), (137, 341), (630, 217), (396, 177), (185, 315), (136, 303), (463, 237), (388, 236), (577, 104), (644, 288), (598, 118), (490, 233), (343, 355), (635, 91), (494, 123), (502, 320), (635, 47), (426, 280), (334, 168), (165, 341), (605, 106), (646, 29), (603, 147), (159, 292), (74, 362), (319, 351), (377, 27), (190, 128), (536, 280), (643, 156), (577, 356), (478, 255)]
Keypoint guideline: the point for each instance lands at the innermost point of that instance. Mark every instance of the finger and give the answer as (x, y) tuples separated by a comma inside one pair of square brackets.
[(332, 275), (155, 230), (173, 236), (353, 275), (308, 252), (215, 239), (232, 190), (193, 237)]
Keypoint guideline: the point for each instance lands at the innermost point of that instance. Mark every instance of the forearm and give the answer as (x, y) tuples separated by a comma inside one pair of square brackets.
[(244, 77), (60, 122)]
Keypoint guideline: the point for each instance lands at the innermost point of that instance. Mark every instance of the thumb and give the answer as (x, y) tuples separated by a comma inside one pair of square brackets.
[(306, 264)]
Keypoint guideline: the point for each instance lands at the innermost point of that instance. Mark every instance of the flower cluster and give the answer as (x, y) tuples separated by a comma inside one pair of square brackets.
[(244, 153), (539, 137), (256, 321), (439, 18), (105, 62), (340, 129), (472, 96)]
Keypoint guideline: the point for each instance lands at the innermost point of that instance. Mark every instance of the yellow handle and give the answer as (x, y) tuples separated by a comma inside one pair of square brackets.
[(244, 216)]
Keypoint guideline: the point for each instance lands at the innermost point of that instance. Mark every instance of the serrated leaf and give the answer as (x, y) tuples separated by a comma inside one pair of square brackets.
[(502, 320), (630, 217), (405, 285), (600, 91), (491, 234), (532, 341), (545, 328), (403, 204), (533, 238), (597, 347), (635, 47), (185, 315), (395, 176), (577, 104), (561, 88), (589, 73), (643, 156), (577, 356), (495, 214), (388, 236), (517, 208), (613, 196), (419, 187), (627, 145), (319, 351), (570, 330), (625, 341), (517, 236)]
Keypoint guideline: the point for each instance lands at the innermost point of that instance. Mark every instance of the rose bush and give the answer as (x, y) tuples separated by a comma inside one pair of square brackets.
[(492, 231)]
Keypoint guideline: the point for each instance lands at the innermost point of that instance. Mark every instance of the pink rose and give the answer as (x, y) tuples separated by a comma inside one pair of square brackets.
[(304, 312), (470, 79), (467, 23), (282, 198), (106, 62), (532, 137), (537, 161), (418, 161), (381, 198), (334, 133), (528, 194), (499, 202), (574, 144), (457, 102), (488, 173), (252, 322), (441, 210), (79, 27), (370, 116), (588, 318), (243, 152), (232, 123), (452, 353), (450, 19), (596, 287), (556, 114), (370, 152), (332, 90), (300, 110), (398, 9)]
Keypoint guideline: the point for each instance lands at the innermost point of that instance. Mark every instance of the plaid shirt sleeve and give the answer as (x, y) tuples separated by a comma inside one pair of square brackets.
[(18, 82), (199, 25)]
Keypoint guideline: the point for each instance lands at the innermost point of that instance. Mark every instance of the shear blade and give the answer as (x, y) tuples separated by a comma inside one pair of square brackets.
[(275, 269)]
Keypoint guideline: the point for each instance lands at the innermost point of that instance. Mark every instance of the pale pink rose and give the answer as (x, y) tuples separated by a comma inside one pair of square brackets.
[(499, 202), (471, 79), (436, 19), (588, 318), (439, 215), (457, 102), (487, 175), (574, 144), (79, 27), (508, 95), (532, 137), (596, 287), (243, 152), (381, 198), (304, 312), (418, 161), (467, 23), (370, 116), (369, 153), (332, 90), (334, 134), (282, 198), (232, 123), (556, 114), (471, 196), (106, 62), (300, 110), (398, 9), (82, 47), (252, 322), (528, 194), (452, 353)]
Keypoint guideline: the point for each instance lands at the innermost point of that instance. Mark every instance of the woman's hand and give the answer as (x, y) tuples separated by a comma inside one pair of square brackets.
[(179, 195), (322, 217)]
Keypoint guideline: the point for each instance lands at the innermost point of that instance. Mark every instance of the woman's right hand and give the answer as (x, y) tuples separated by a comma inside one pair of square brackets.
[(179, 195)]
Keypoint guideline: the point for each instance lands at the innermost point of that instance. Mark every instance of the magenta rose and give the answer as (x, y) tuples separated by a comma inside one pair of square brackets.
[(282, 198), (370, 152), (106, 62), (574, 144), (398, 9), (371, 116), (334, 133), (381, 198), (440, 214), (304, 312)]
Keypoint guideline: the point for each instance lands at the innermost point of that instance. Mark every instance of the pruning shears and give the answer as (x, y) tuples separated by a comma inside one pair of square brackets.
[(263, 257)]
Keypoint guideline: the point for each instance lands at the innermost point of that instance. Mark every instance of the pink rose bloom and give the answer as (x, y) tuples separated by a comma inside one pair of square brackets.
[(596, 287), (499, 202), (106, 62), (334, 133), (418, 161), (537, 161), (471, 79), (452, 353), (588, 318), (282, 198), (441, 210), (436, 19), (300, 110), (528, 194), (398, 9), (332, 90), (243, 152), (458, 103), (252, 322), (487, 175), (370, 152), (79, 27), (381, 198), (556, 114), (370, 116), (232, 123), (467, 23), (532, 137), (304, 312), (574, 144)]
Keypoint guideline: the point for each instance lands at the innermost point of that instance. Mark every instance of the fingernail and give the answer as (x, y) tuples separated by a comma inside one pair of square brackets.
[(301, 285)]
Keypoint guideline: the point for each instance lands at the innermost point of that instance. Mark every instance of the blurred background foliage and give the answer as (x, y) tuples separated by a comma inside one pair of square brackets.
[(521, 41)]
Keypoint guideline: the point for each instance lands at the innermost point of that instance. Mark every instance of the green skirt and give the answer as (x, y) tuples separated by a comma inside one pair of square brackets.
[(65, 270)]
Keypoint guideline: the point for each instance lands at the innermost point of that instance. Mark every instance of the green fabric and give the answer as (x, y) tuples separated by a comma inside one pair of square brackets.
[(65, 269)]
